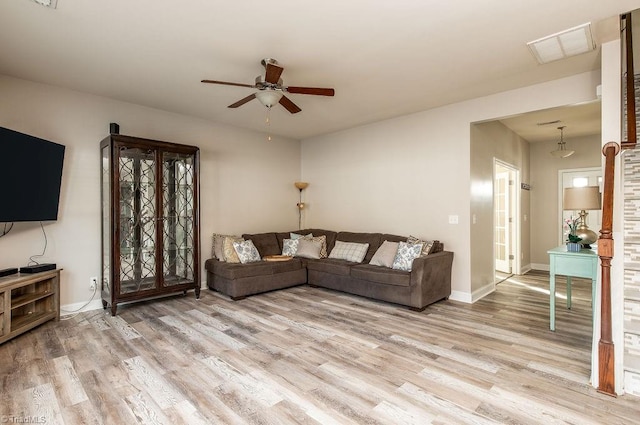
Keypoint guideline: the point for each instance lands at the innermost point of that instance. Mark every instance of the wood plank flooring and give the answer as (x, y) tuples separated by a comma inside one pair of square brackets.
[(313, 356)]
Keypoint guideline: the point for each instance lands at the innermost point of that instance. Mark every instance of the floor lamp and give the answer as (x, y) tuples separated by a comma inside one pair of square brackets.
[(583, 199), (301, 186)]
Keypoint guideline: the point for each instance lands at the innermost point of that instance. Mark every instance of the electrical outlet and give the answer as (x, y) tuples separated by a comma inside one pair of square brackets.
[(93, 283)]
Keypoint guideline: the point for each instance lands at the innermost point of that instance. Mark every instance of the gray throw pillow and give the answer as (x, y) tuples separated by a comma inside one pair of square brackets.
[(385, 255), (308, 248)]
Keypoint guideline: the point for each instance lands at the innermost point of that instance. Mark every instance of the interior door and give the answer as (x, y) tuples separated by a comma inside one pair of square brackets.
[(502, 219)]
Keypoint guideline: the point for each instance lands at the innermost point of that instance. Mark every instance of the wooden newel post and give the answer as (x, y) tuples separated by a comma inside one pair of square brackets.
[(606, 363)]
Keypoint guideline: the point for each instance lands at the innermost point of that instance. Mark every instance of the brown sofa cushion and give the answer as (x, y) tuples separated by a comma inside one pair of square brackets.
[(392, 238), (373, 239), (262, 268), (266, 243), (381, 275), (331, 265)]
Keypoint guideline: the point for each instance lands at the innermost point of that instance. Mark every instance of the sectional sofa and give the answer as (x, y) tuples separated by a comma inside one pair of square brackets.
[(428, 281)]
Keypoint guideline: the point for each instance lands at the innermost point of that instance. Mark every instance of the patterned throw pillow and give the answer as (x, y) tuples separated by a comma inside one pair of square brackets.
[(247, 252), (298, 235), (229, 252), (323, 244), (290, 246), (309, 248), (385, 255), (349, 251), (217, 248), (407, 252), (427, 245)]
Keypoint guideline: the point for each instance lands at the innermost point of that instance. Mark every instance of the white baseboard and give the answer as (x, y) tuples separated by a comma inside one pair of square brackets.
[(483, 292), (463, 297), (468, 298), (537, 266), (525, 269)]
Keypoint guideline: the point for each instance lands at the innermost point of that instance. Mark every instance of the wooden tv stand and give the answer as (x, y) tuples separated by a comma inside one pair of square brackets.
[(28, 300)]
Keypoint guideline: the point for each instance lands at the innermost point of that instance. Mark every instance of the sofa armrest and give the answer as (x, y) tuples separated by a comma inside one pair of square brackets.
[(431, 278)]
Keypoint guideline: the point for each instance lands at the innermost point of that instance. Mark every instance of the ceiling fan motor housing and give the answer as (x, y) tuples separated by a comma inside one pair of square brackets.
[(262, 84)]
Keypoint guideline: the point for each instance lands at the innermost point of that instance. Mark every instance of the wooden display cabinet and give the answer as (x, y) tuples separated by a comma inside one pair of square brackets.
[(150, 219), (28, 300)]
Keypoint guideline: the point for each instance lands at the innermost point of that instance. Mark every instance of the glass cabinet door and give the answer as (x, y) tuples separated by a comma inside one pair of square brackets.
[(137, 221), (178, 218)]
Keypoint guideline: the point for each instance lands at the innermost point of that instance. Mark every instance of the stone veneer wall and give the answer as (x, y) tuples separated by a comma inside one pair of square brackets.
[(631, 187)]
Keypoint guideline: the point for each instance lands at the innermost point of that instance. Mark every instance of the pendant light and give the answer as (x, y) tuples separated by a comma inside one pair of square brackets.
[(562, 151)]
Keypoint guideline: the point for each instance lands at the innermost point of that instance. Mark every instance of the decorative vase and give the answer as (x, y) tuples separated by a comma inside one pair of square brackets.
[(574, 247)]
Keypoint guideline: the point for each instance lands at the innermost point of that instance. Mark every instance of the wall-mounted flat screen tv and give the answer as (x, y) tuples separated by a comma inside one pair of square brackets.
[(30, 177)]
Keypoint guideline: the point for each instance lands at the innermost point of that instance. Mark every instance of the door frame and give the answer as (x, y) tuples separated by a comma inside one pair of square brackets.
[(515, 212)]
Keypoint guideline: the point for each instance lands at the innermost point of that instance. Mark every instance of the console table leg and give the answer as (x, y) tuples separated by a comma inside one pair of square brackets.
[(569, 292), (552, 301)]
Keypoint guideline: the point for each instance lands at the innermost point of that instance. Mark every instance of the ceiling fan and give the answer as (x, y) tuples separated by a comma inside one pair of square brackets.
[(270, 88)]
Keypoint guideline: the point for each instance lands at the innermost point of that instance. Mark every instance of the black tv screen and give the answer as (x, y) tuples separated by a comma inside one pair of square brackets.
[(30, 177)]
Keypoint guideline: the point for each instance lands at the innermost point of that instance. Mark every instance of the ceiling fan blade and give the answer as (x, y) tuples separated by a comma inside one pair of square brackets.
[(273, 73), (310, 90), (289, 105), (226, 83), (242, 101)]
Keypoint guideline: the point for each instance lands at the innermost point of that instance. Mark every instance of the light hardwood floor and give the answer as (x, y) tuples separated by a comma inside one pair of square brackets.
[(313, 356)]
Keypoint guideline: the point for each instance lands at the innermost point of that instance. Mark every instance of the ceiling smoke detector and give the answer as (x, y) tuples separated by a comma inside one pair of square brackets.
[(561, 45), (48, 3)]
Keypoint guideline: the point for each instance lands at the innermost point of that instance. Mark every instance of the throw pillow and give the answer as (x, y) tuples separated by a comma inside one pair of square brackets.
[(309, 248), (229, 252), (298, 235), (427, 245), (323, 244), (247, 251), (407, 252), (349, 251), (290, 246), (218, 249), (385, 255)]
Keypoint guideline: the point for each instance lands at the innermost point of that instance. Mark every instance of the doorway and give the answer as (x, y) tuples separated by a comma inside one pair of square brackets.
[(505, 220), (578, 177)]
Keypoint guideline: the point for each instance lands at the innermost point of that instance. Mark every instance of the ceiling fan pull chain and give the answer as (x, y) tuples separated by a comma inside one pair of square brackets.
[(268, 122)]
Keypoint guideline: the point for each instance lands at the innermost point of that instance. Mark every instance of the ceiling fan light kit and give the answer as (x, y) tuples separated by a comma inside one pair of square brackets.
[(269, 97)]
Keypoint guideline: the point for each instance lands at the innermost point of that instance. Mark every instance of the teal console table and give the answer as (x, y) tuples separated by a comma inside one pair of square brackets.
[(570, 264)]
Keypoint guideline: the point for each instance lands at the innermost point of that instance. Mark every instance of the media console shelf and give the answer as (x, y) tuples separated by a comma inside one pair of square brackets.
[(28, 300)]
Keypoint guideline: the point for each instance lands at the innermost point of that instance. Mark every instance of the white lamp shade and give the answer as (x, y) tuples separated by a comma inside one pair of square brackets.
[(269, 97), (581, 198)]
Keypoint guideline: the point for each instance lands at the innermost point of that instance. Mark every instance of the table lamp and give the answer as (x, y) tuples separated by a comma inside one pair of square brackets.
[(583, 199)]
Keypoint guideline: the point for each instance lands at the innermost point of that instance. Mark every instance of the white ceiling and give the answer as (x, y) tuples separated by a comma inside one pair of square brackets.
[(383, 58), (541, 126)]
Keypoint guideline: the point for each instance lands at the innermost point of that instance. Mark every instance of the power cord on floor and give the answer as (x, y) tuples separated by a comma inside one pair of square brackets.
[(78, 311)]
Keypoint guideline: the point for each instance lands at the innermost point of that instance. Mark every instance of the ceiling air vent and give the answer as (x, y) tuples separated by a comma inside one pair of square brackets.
[(48, 3), (561, 45)]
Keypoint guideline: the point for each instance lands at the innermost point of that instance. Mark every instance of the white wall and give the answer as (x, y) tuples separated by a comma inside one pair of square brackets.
[(246, 182), (408, 174), (544, 192), (489, 141)]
